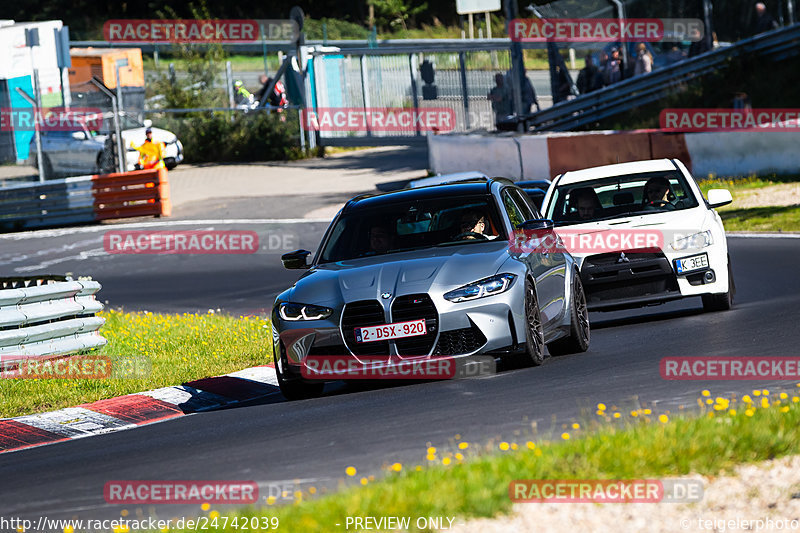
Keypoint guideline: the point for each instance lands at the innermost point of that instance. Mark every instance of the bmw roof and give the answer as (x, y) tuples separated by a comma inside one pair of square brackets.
[(471, 187)]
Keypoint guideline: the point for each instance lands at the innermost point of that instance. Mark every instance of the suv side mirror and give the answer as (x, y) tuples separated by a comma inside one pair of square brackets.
[(295, 260), (719, 197), (537, 224)]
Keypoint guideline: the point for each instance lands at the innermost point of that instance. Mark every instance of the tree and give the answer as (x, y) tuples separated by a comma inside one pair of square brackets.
[(397, 12)]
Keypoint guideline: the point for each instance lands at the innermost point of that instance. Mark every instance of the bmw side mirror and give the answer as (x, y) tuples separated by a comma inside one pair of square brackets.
[(719, 197), (537, 224), (296, 259)]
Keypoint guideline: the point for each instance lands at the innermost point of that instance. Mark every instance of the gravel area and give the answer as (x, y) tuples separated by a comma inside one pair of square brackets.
[(735, 502), (781, 194)]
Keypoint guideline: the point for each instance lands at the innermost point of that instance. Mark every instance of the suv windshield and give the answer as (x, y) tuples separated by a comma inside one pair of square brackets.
[(413, 225), (620, 196)]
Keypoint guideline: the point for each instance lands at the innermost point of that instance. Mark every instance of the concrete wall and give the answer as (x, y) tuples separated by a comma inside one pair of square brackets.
[(548, 154)]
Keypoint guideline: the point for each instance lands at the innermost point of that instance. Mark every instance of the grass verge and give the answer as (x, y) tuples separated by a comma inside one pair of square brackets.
[(772, 218), (763, 218), (640, 445), (174, 349)]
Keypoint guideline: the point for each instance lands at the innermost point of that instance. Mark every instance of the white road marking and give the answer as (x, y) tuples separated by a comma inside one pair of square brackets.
[(58, 232)]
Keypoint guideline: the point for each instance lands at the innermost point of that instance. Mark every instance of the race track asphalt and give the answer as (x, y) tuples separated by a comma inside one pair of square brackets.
[(273, 441)]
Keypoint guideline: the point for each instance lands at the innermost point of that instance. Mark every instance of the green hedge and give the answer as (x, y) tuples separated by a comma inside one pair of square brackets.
[(237, 136)]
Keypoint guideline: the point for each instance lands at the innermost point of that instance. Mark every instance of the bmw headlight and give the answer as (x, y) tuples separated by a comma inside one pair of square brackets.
[(295, 312), (695, 241), (481, 288)]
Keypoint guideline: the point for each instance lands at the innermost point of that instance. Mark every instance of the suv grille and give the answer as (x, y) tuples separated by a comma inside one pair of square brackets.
[(414, 307)]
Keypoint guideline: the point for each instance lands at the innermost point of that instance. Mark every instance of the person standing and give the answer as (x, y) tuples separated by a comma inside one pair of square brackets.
[(644, 61), (151, 154), (764, 21), (589, 77), (500, 99), (614, 68)]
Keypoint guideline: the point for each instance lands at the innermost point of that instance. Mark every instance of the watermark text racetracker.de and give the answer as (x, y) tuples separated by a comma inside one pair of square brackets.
[(677, 490), (87, 366), (379, 119), (199, 30), (376, 367), (178, 242), (696, 120), (729, 368), (73, 119), (606, 30)]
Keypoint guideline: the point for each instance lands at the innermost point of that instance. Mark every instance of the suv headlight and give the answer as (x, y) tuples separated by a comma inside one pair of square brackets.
[(695, 241), (481, 288), (295, 312)]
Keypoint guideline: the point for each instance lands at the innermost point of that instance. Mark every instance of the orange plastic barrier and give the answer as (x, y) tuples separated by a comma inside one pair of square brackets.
[(131, 194)]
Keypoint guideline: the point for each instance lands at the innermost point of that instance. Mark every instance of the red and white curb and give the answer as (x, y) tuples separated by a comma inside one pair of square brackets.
[(126, 412)]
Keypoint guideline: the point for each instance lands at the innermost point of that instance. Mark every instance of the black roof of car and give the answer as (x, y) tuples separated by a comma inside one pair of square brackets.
[(472, 187)]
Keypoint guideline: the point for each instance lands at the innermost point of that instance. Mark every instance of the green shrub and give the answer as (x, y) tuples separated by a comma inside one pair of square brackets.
[(236, 136)]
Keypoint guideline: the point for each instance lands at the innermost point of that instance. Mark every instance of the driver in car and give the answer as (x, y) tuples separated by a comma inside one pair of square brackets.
[(656, 194), (380, 241), (473, 225)]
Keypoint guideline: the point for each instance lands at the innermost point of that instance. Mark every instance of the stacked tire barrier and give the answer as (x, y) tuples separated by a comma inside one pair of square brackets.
[(47, 316), (537, 156), (85, 199)]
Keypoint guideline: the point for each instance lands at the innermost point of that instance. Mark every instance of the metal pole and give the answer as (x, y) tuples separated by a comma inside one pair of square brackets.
[(364, 92), (462, 63), (488, 26), (118, 88), (471, 26), (414, 94), (516, 62), (31, 100), (790, 8), (229, 82), (108, 92), (621, 18)]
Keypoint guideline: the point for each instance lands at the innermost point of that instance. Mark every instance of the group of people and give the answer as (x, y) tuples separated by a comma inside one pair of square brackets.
[(612, 69), (276, 98)]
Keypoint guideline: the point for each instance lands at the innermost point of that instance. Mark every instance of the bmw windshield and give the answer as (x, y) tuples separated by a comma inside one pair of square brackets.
[(412, 225), (620, 196)]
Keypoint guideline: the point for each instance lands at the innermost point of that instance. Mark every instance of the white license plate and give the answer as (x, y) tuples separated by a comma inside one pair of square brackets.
[(688, 264), (386, 332)]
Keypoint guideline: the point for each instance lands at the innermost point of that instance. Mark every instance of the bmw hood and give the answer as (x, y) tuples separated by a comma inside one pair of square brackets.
[(423, 271)]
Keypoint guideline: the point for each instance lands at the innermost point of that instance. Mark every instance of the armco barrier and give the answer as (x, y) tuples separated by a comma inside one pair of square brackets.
[(47, 316), (85, 199), (545, 155)]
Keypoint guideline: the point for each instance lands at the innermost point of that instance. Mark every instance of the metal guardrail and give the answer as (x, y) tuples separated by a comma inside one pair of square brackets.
[(386, 46), (84, 199), (48, 316), (642, 90)]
